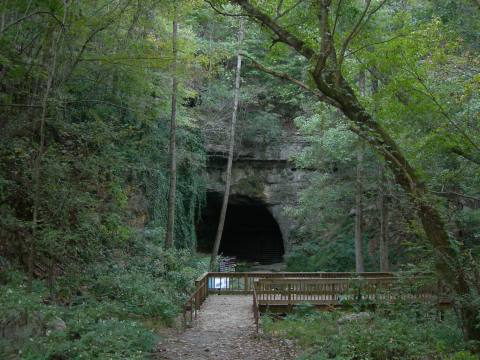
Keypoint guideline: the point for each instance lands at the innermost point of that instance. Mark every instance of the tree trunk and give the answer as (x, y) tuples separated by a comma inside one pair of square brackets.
[(223, 211), (359, 260), (170, 231), (384, 219), (359, 266), (37, 165)]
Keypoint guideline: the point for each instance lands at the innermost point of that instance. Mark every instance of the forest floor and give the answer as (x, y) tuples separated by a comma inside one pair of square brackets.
[(225, 329)]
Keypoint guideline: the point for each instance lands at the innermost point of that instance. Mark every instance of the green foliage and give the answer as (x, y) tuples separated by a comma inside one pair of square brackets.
[(103, 170), (103, 339), (411, 333), (114, 307)]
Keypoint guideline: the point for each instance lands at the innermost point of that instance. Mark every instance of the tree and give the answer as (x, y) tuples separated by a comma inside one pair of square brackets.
[(384, 219), (327, 73), (55, 40), (170, 231), (228, 175), (359, 261)]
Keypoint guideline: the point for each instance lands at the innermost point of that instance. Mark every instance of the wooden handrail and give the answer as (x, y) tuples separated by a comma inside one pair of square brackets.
[(328, 291)]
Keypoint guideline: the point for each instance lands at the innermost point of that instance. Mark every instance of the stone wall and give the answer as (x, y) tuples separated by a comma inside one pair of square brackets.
[(263, 172)]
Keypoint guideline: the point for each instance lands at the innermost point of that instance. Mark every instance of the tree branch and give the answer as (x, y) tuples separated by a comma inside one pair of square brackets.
[(359, 27), (352, 34), (283, 35), (220, 11), (285, 12), (458, 151), (62, 25), (285, 76), (448, 194)]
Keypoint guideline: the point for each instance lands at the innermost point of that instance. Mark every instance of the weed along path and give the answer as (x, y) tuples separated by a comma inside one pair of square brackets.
[(224, 329)]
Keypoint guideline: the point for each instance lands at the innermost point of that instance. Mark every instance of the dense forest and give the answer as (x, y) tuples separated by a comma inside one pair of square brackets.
[(113, 112)]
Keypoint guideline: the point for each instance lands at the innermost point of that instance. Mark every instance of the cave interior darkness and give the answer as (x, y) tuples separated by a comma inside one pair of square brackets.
[(250, 233)]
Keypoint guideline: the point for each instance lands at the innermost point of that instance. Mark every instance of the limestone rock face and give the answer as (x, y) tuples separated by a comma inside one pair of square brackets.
[(263, 172)]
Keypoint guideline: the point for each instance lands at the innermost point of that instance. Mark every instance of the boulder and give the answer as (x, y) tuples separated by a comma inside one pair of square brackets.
[(361, 316)]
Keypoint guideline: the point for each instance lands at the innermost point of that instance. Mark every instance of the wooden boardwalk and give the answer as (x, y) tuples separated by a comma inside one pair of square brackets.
[(281, 291)]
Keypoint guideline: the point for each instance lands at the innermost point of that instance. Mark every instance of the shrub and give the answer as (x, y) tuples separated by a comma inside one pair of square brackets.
[(388, 334)]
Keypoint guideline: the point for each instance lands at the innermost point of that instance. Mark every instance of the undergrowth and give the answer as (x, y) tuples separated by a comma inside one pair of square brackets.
[(108, 311), (389, 333)]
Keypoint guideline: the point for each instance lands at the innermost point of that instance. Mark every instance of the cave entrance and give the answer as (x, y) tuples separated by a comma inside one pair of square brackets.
[(250, 233)]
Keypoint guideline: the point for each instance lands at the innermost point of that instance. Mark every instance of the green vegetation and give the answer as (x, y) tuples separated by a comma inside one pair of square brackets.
[(390, 333), (384, 96), (110, 310)]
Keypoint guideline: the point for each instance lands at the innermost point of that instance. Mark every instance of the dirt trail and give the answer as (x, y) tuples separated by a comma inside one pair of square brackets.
[(224, 329)]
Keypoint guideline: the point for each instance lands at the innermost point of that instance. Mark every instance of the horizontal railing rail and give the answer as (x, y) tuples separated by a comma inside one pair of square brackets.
[(242, 282), (338, 291)]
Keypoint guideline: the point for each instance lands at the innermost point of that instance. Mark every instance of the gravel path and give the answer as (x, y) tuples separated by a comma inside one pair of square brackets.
[(224, 329)]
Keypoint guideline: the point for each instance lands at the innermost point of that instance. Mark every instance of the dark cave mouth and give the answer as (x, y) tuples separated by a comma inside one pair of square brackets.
[(250, 234)]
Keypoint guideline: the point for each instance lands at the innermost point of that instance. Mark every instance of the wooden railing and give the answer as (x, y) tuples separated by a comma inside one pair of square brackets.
[(243, 283), (341, 291), (192, 305), (284, 290)]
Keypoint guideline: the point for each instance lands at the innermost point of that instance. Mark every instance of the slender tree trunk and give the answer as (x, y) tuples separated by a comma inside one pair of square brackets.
[(359, 263), (382, 204), (384, 219), (223, 211), (359, 259), (37, 166), (170, 231)]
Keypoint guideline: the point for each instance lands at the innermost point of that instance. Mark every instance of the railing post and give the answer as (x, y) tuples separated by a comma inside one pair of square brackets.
[(245, 279), (289, 287)]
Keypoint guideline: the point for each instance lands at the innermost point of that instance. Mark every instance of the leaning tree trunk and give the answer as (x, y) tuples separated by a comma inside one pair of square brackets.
[(333, 88), (170, 231), (228, 179)]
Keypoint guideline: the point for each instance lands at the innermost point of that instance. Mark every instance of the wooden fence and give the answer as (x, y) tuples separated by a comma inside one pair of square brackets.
[(340, 291), (243, 283)]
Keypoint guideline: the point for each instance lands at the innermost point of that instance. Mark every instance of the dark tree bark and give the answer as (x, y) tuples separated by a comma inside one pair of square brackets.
[(228, 179), (170, 231), (328, 78)]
